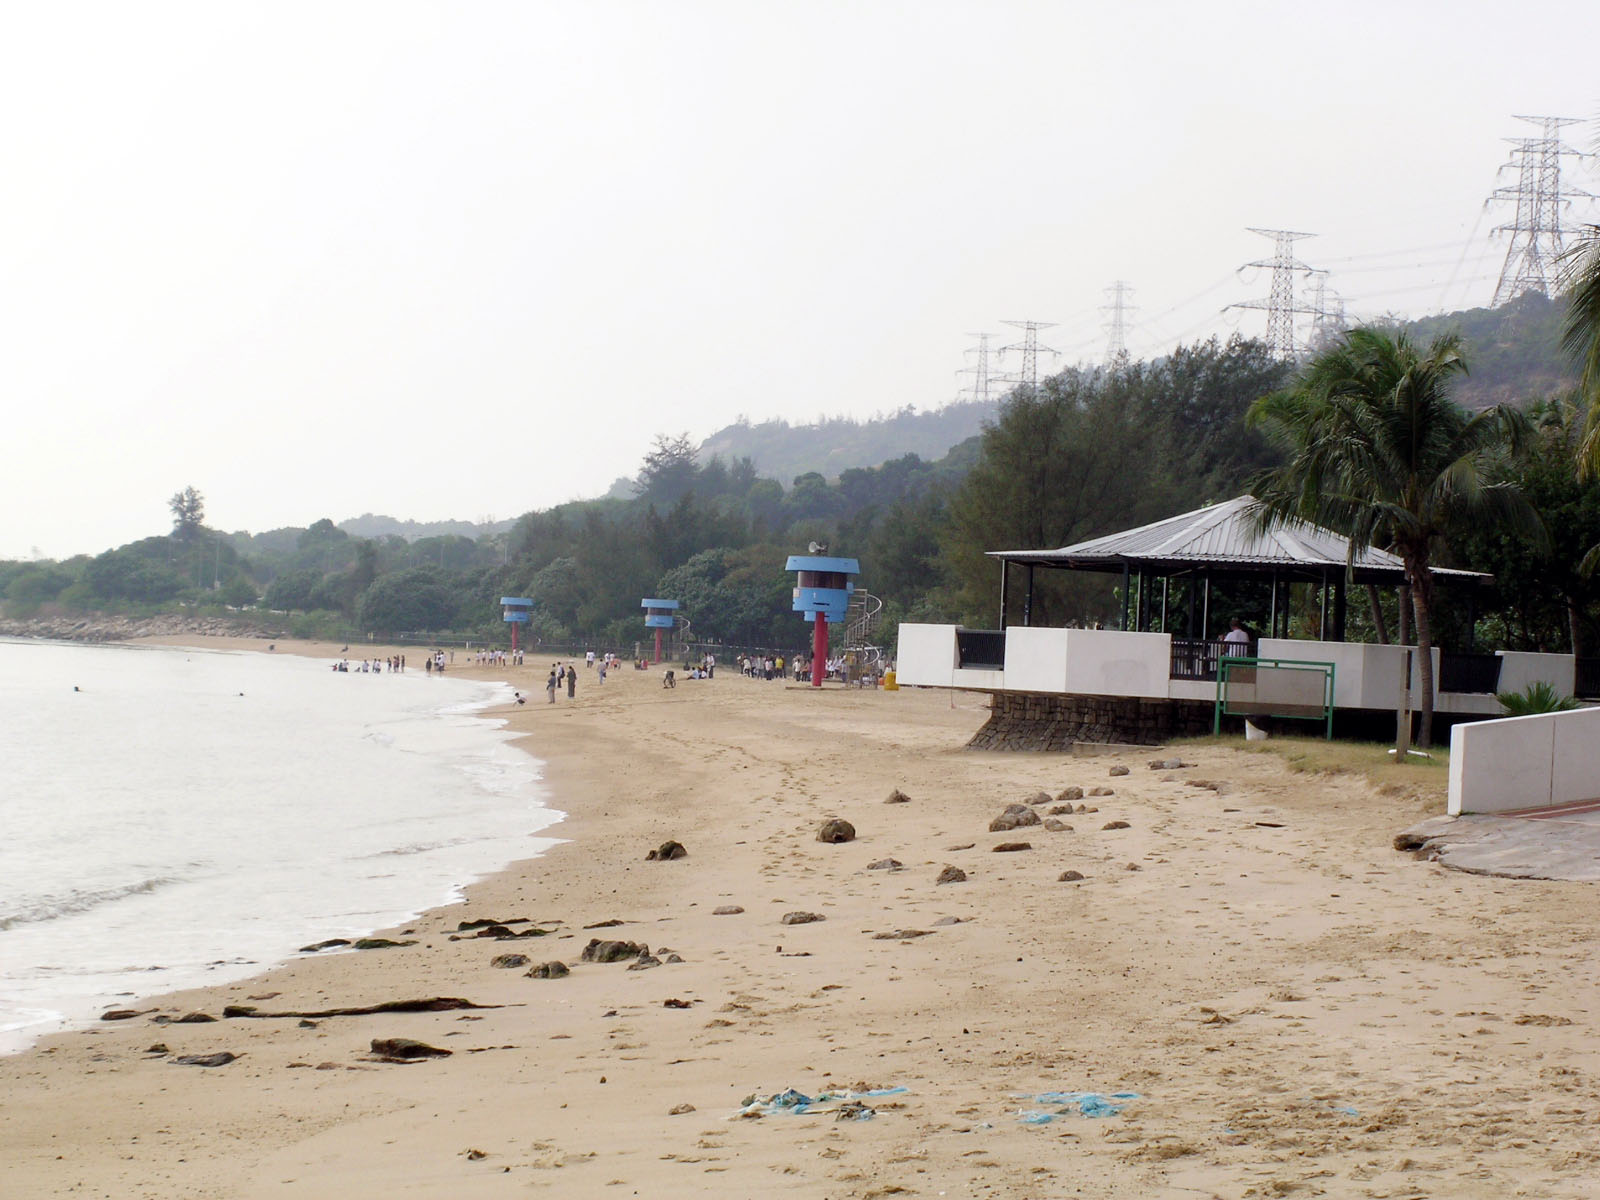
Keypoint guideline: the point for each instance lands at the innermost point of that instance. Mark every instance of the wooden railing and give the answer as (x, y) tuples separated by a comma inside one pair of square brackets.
[(1193, 658)]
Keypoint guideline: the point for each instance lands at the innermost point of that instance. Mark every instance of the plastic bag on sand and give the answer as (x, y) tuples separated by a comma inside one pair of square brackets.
[(1088, 1104)]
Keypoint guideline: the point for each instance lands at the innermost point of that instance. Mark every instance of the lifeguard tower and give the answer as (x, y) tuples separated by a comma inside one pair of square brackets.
[(659, 615), (515, 611), (822, 592)]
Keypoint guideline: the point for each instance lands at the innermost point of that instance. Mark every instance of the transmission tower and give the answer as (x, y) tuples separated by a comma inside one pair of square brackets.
[(1116, 326), (979, 371), (1279, 304), (1029, 347), (1536, 227), (1327, 310)]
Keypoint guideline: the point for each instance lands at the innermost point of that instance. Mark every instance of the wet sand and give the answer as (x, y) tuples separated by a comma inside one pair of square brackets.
[(1301, 1009)]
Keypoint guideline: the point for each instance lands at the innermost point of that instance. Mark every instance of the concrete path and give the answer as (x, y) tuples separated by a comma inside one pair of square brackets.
[(1546, 843)]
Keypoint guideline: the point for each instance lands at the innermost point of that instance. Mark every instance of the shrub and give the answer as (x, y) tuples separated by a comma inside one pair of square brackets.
[(1538, 697)]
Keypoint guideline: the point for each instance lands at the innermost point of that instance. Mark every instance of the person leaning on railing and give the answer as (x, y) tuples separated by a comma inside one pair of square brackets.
[(1236, 642)]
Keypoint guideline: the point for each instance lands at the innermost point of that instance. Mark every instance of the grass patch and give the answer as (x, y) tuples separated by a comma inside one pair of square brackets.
[(1425, 779)]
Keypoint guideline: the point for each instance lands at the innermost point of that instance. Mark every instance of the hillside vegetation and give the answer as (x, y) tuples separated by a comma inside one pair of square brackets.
[(1087, 452)]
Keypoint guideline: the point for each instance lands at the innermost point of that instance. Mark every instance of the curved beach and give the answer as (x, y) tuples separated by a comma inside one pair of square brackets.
[(1286, 1004)]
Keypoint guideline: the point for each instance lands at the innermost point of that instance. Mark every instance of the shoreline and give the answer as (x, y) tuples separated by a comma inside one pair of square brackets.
[(1266, 964), (129, 980)]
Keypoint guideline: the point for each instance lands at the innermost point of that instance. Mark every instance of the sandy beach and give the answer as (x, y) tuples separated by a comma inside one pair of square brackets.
[(1288, 1005)]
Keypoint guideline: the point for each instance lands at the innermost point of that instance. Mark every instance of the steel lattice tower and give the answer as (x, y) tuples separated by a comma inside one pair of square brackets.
[(979, 371), (1116, 325), (1030, 347), (1326, 307), (1536, 228), (1279, 304)]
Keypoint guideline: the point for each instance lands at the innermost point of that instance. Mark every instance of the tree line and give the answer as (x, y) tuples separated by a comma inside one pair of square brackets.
[(1089, 451)]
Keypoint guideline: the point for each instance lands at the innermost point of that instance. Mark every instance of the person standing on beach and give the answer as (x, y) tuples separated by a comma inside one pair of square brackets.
[(572, 681), (550, 686)]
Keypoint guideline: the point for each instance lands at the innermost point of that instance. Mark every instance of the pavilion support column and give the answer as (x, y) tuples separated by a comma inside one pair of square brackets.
[(1339, 610), (1126, 579), (1166, 585), (1188, 629), (1322, 624), (1027, 599), (1005, 571), (1272, 607), (1205, 611)]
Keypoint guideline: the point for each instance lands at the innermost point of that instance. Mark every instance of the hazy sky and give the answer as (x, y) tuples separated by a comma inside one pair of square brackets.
[(464, 260)]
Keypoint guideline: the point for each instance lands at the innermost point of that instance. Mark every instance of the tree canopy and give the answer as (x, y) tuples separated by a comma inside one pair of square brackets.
[(1376, 448)]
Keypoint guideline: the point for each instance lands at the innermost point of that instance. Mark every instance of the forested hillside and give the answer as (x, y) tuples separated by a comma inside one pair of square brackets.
[(1087, 452), (1514, 351), (834, 444)]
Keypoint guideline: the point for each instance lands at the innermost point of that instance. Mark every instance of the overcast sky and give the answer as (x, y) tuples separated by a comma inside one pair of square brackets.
[(464, 260)]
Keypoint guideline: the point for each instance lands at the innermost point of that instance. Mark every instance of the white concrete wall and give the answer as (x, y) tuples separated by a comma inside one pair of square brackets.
[(1367, 675), (979, 679), (926, 655), (1036, 659), (1525, 762), (1519, 668), (1109, 662)]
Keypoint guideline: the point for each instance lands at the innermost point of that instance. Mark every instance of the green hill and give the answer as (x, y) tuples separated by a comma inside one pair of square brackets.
[(1514, 351), (782, 451)]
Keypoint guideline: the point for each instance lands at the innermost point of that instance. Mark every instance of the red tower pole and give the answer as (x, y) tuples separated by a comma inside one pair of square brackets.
[(658, 646), (819, 649), (513, 637)]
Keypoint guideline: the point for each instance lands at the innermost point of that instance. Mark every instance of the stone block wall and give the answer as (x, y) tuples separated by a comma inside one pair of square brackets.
[(1035, 721)]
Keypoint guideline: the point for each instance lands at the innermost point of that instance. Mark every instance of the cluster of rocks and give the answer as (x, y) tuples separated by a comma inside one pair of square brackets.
[(600, 950)]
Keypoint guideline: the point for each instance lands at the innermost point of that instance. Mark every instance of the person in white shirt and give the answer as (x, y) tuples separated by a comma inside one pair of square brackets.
[(1236, 642)]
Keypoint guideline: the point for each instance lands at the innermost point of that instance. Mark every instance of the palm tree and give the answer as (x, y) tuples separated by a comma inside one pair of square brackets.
[(1581, 335), (1377, 449)]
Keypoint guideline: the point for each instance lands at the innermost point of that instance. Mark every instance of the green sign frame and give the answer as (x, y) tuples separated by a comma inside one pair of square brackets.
[(1229, 664)]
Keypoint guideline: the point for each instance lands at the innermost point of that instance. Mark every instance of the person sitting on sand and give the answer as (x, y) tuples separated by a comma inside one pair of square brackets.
[(670, 679)]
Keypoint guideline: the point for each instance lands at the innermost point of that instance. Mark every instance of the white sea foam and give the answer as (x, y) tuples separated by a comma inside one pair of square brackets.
[(189, 817)]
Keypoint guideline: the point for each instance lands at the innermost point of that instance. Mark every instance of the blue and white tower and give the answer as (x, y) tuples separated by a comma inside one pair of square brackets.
[(822, 592)]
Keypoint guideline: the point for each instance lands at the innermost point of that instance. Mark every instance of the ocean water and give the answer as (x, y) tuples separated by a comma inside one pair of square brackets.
[(175, 817)]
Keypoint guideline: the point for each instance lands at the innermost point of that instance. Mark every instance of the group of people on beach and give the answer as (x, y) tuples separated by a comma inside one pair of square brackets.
[(565, 673), (373, 666), (499, 658), (759, 666)]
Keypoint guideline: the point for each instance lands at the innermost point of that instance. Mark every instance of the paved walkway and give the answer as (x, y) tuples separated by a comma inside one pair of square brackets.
[(1545, 843)]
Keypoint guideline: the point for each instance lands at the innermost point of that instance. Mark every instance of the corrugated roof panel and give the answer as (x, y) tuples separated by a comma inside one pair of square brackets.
[(1222, 534)]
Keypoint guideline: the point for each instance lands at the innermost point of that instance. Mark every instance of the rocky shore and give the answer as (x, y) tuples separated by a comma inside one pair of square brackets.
[(107, 627)]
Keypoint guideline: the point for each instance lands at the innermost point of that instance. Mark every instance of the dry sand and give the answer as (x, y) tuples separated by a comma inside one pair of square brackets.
[(1302, 1010)]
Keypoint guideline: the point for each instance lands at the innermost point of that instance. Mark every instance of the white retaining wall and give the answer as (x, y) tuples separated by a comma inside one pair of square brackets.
[(1525, 762)]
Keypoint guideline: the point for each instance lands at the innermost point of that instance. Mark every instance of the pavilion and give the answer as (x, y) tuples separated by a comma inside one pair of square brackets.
[(1156, 674), (1226, 541)]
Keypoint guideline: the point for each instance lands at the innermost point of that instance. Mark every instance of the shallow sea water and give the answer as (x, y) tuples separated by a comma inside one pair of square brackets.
[(190, 817)]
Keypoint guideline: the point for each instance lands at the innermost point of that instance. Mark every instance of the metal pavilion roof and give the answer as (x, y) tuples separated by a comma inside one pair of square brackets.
[(1224, 537)]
